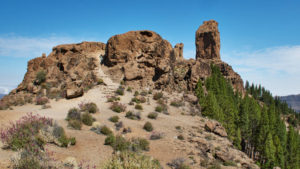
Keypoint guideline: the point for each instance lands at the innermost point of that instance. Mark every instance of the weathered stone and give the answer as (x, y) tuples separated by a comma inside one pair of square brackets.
[(215, 127), (71, 163), (74, 92), (208, 41), (178, 51)]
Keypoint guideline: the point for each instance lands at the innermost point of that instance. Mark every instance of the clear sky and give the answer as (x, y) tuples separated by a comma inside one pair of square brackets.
[(260, 39)]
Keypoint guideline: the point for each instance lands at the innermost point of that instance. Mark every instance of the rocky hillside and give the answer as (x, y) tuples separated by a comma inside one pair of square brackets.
[(293, 101), (138, 58)]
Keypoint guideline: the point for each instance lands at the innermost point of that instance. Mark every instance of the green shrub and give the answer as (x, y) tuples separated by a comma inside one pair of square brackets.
[(117, 107), (180, 137), (72, 141), (74, 114), (113, 99), (138, 144), (121, 144), (131, 160), (177, 103), (24, 131), (133, 116), (159, 108), (178, 127), (120, 91), (87, 119), (100, 81), (152, 115), (75, 124), (110, 140), (88, 107), (40, 77), (229, 163), (105, 130), (158, 95), (138, 107), (148, 126), (114, 119), (129, 89), (136, 93)]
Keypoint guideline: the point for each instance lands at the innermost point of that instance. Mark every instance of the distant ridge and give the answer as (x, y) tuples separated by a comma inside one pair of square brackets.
[(293, 101)]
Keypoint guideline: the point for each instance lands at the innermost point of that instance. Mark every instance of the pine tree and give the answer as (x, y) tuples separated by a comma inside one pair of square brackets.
[(211, 108), (269, 152), (238, 139), (292, 156), (279, 155)]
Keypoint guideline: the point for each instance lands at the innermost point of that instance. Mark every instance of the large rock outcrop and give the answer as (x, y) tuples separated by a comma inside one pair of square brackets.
[(67, 71), (142, 59), (208, 41)]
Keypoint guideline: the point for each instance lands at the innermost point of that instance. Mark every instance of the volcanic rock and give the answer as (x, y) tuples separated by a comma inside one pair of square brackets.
[(208, 41)]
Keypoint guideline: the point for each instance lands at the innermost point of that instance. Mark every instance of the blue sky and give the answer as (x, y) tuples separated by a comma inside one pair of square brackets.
[(260, 39)]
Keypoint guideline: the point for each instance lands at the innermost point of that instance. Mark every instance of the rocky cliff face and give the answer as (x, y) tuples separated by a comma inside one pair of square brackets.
[(66, 72), (142, 59)]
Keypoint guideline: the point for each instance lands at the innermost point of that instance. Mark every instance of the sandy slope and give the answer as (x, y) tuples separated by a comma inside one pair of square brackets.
[(90, 146)]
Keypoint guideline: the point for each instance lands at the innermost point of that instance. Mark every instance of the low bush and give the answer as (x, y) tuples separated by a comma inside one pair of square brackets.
[(138, 144), (229, 163), (129, 89), (180, 137), (100, 82), (87, 119), (120, 91), (105, 130), (136, 93), (74, 114), (131, 160), (113, 99), (158, 95), (152, 115), (110, 140), (24, 131), (177, 103), (148, 126), (114, 119), (178, 127), (117, 107), (75, 124), (41, 100), (156, 136), (88, 107), (40, 77), (159, 108), (133, 116), (179, 163), (138, 107)]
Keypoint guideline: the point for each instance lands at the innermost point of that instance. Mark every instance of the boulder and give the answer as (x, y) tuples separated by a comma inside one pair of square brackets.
[(208, 41), (74, 92), (190, 98), (215, 127)]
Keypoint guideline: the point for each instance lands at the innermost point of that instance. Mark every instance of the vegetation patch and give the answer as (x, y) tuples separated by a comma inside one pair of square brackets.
[(152, 115), (114, 119), (158, 95), (117, 107), (148, 126), (87, 119), (88, 107), (133, 116)]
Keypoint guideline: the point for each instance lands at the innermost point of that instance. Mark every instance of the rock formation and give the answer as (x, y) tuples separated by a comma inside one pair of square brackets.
[(142, 59), (68, 70), (208, 41)]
